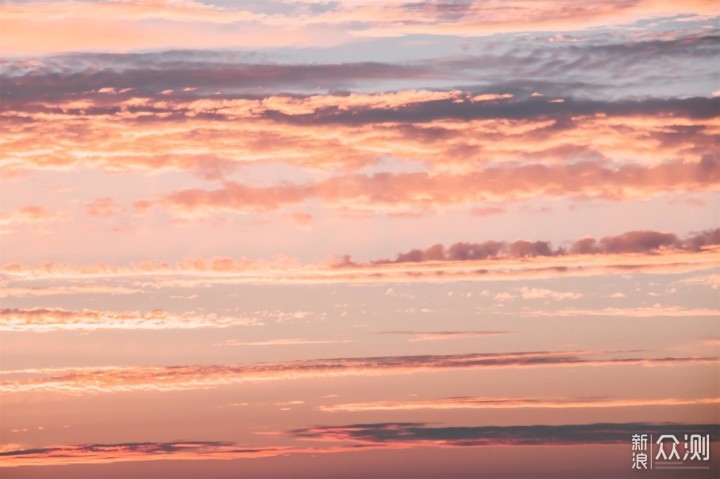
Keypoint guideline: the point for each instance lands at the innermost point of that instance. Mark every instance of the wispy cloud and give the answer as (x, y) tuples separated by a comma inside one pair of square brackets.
[(285, 342), (642, 312), (102, 207), (141, 451), (195, 24), (388, 435), (566, 434), (710, 280), (71, 289), (168, 378), (57, 319), (515, 403), (443, 335), (213, 135), (488, 261), (543, 293), (422, 189), (28, 215)]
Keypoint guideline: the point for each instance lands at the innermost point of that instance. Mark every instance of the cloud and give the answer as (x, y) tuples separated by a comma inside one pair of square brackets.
[(142, 451), (630, 242), (300, 218), (710, 280), (362, 436), (141, 24), (642, 312), (499, 74), (488, 261), (137, 76), (515, 403), (28, 215), (170, 378), (542, 293), (147, 25), (58, 319), (488, 211), (492, 97), (286, 342), (102, 207), (565, 434), (443, 335), (504, 296), (695, 108), (72, 289), (484, 18), (421, 189), (213, 137)]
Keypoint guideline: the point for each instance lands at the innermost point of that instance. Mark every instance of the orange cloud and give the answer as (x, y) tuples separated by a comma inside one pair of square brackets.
[(120, 26), (393, 191), (443, 335), (26, 215), (710, 280), (644, 312), (285, 342), (194, 272), (72, 289), (446, 131), (514, 403), (362, 437), (151, 451), (102, 207), (160, 378), (542, 293), (485, 18), (57, 319)]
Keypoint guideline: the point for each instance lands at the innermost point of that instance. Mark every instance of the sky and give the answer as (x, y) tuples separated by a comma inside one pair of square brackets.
[(318, 239)]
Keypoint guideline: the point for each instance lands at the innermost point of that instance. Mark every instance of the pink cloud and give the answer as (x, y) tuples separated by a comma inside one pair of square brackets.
[(515, 403), (58, 319), (487, 261), (102, 207), (194, 24), (27, 214), (392, 190), (161, 378)]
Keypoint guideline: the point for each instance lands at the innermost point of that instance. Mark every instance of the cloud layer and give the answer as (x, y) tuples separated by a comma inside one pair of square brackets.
[(149, 378), (58, 319), (515, 403), (632, 252), (362, 437), (601, 433), (193, 24)]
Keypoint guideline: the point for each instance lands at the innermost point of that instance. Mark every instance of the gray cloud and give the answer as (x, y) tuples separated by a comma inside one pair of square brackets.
[(534, 64), (630, 242), (566, 434)]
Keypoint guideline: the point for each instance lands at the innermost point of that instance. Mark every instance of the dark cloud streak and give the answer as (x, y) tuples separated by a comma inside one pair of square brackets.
[(630, 242), (566, 434)]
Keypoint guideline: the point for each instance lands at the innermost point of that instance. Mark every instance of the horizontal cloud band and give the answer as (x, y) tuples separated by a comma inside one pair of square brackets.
[(633, 252), (515, 403), (169, 378), (57, 319), (387, 435)]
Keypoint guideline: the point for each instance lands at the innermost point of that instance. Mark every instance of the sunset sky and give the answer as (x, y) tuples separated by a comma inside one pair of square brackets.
[(363, 239)]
